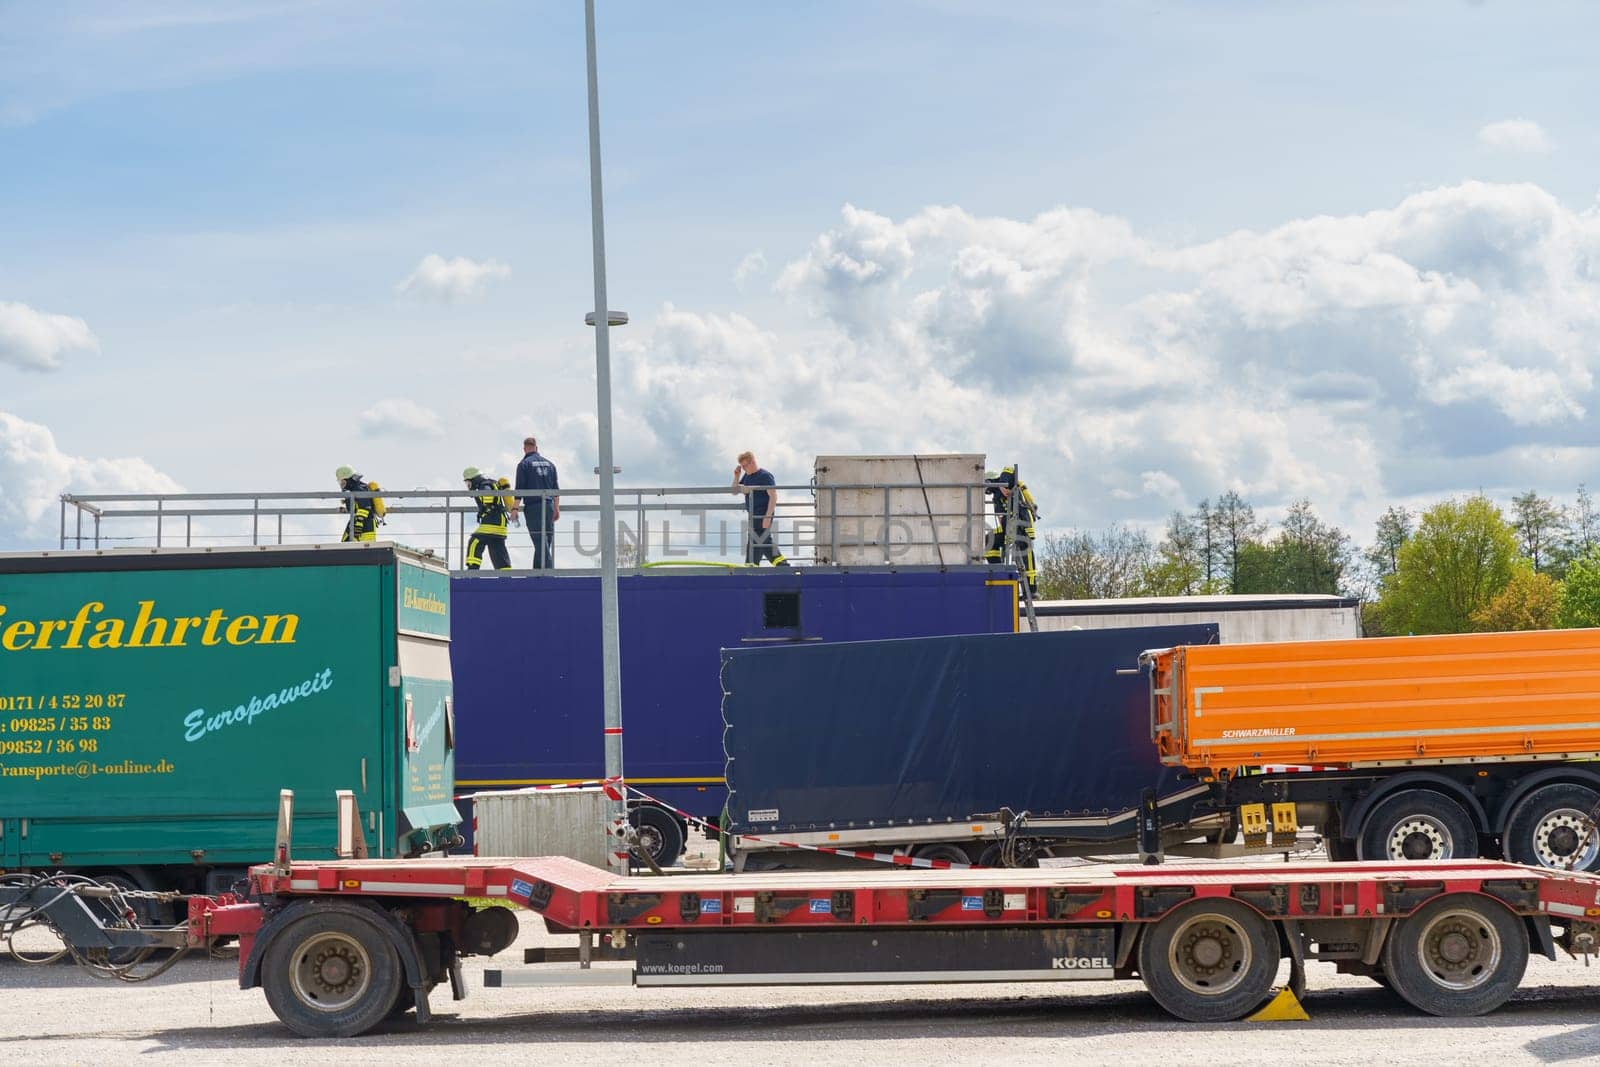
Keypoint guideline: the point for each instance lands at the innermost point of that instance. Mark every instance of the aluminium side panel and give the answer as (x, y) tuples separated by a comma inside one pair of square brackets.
[(1489, 696), (883, 733)]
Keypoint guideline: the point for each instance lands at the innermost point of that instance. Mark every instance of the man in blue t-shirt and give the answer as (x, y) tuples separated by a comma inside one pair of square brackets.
[(541, 512), (760, 503)]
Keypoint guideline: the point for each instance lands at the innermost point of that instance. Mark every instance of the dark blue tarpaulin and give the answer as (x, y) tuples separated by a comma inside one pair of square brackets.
[(941, 728)]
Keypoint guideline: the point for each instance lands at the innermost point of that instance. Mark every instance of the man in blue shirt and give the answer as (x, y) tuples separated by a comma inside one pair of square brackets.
[(536, 472), (761, 504)]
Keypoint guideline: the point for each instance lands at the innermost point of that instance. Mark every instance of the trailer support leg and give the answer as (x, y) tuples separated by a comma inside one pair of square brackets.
[(1149, 829)]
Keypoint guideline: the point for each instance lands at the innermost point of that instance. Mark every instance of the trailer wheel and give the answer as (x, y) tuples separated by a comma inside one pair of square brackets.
[(1209, 961), (1418, 824), (1550, 828), (331, 974), (944, 851), (1461, 954), (659, 834)]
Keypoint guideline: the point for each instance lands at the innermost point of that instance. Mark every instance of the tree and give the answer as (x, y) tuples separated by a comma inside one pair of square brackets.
[(1541, 526), (1461, 556), (1394, 527), (1530, 601), (1205, 527), (1580, 593), (1179, 565), (1307, 556), (1585, 529), (1087, 566), (1236, 526)]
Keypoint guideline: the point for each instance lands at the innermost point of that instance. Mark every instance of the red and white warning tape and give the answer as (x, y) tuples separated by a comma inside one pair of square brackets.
[(875, 857), (612, 787)]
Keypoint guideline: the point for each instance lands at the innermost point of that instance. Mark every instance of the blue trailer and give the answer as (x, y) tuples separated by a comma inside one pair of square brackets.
[(525, 653), (963, 749)]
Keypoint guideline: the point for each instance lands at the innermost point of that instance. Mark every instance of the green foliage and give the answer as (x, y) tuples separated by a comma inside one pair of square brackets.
[(1530, 601), (1541, 527), (1461, 556), (1394, 527), (1580, 593), (1374, 623), (1307, 556), (1090, 566)]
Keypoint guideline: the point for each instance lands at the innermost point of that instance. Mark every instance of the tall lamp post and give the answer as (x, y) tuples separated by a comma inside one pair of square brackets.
[(602, 319)]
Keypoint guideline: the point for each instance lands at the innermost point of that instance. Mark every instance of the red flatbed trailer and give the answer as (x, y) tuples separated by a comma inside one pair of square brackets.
[(341, 945)]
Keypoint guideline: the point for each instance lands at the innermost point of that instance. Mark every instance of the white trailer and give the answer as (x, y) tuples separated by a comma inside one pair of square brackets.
[(1252, 619)]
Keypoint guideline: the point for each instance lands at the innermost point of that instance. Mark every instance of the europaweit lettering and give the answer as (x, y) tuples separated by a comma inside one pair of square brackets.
[(93, 627)]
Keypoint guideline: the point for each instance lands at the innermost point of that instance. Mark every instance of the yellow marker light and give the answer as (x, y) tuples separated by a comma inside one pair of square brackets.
[(1103, 913), (1591, 911), (652, 919), (351, 883)]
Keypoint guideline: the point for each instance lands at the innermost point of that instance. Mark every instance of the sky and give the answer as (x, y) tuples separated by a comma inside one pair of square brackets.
[(1150, 252)]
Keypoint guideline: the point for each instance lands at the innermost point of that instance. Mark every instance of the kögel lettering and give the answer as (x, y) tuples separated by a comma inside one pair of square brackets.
[(146, 629)]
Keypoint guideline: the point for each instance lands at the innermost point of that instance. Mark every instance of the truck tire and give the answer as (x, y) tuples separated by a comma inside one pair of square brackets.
[(1209, 961), (1416, 825), (659, 834), (332, 974), (1457, 955), (943, 850), (1549, 828)]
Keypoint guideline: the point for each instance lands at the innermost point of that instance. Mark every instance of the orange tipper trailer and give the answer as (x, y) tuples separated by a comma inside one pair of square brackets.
[(1382, 701), (1397, 748)]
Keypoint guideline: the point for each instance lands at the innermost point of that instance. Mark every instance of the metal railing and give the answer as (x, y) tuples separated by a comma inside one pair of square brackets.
[(877, 524)]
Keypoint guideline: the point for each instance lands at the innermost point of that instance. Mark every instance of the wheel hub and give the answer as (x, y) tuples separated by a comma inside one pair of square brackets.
[(1559, 836), (331, 972), (1420, 837), (1460, 950), (1209, 955)]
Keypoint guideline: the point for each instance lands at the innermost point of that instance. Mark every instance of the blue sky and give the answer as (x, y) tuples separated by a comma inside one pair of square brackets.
[(1336, 250)]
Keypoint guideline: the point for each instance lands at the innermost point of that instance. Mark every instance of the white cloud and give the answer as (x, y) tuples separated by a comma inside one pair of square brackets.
[(36, 340), (1436, 346), (451, 280), (753, 265), (396, 417), (34, 472), (1515, 135)]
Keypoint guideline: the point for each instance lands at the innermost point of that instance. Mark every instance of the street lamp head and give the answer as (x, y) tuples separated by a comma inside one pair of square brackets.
[(613, 318)]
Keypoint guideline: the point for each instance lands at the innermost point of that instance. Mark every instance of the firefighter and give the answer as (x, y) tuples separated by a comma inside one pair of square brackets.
[(1020, 532), (494, 507), (366, 513)]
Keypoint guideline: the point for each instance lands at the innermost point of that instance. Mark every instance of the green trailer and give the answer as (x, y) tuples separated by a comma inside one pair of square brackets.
[(153, 704)]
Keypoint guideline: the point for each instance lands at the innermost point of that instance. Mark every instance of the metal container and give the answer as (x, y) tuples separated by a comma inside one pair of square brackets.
[(542, 822), (918, 510)]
